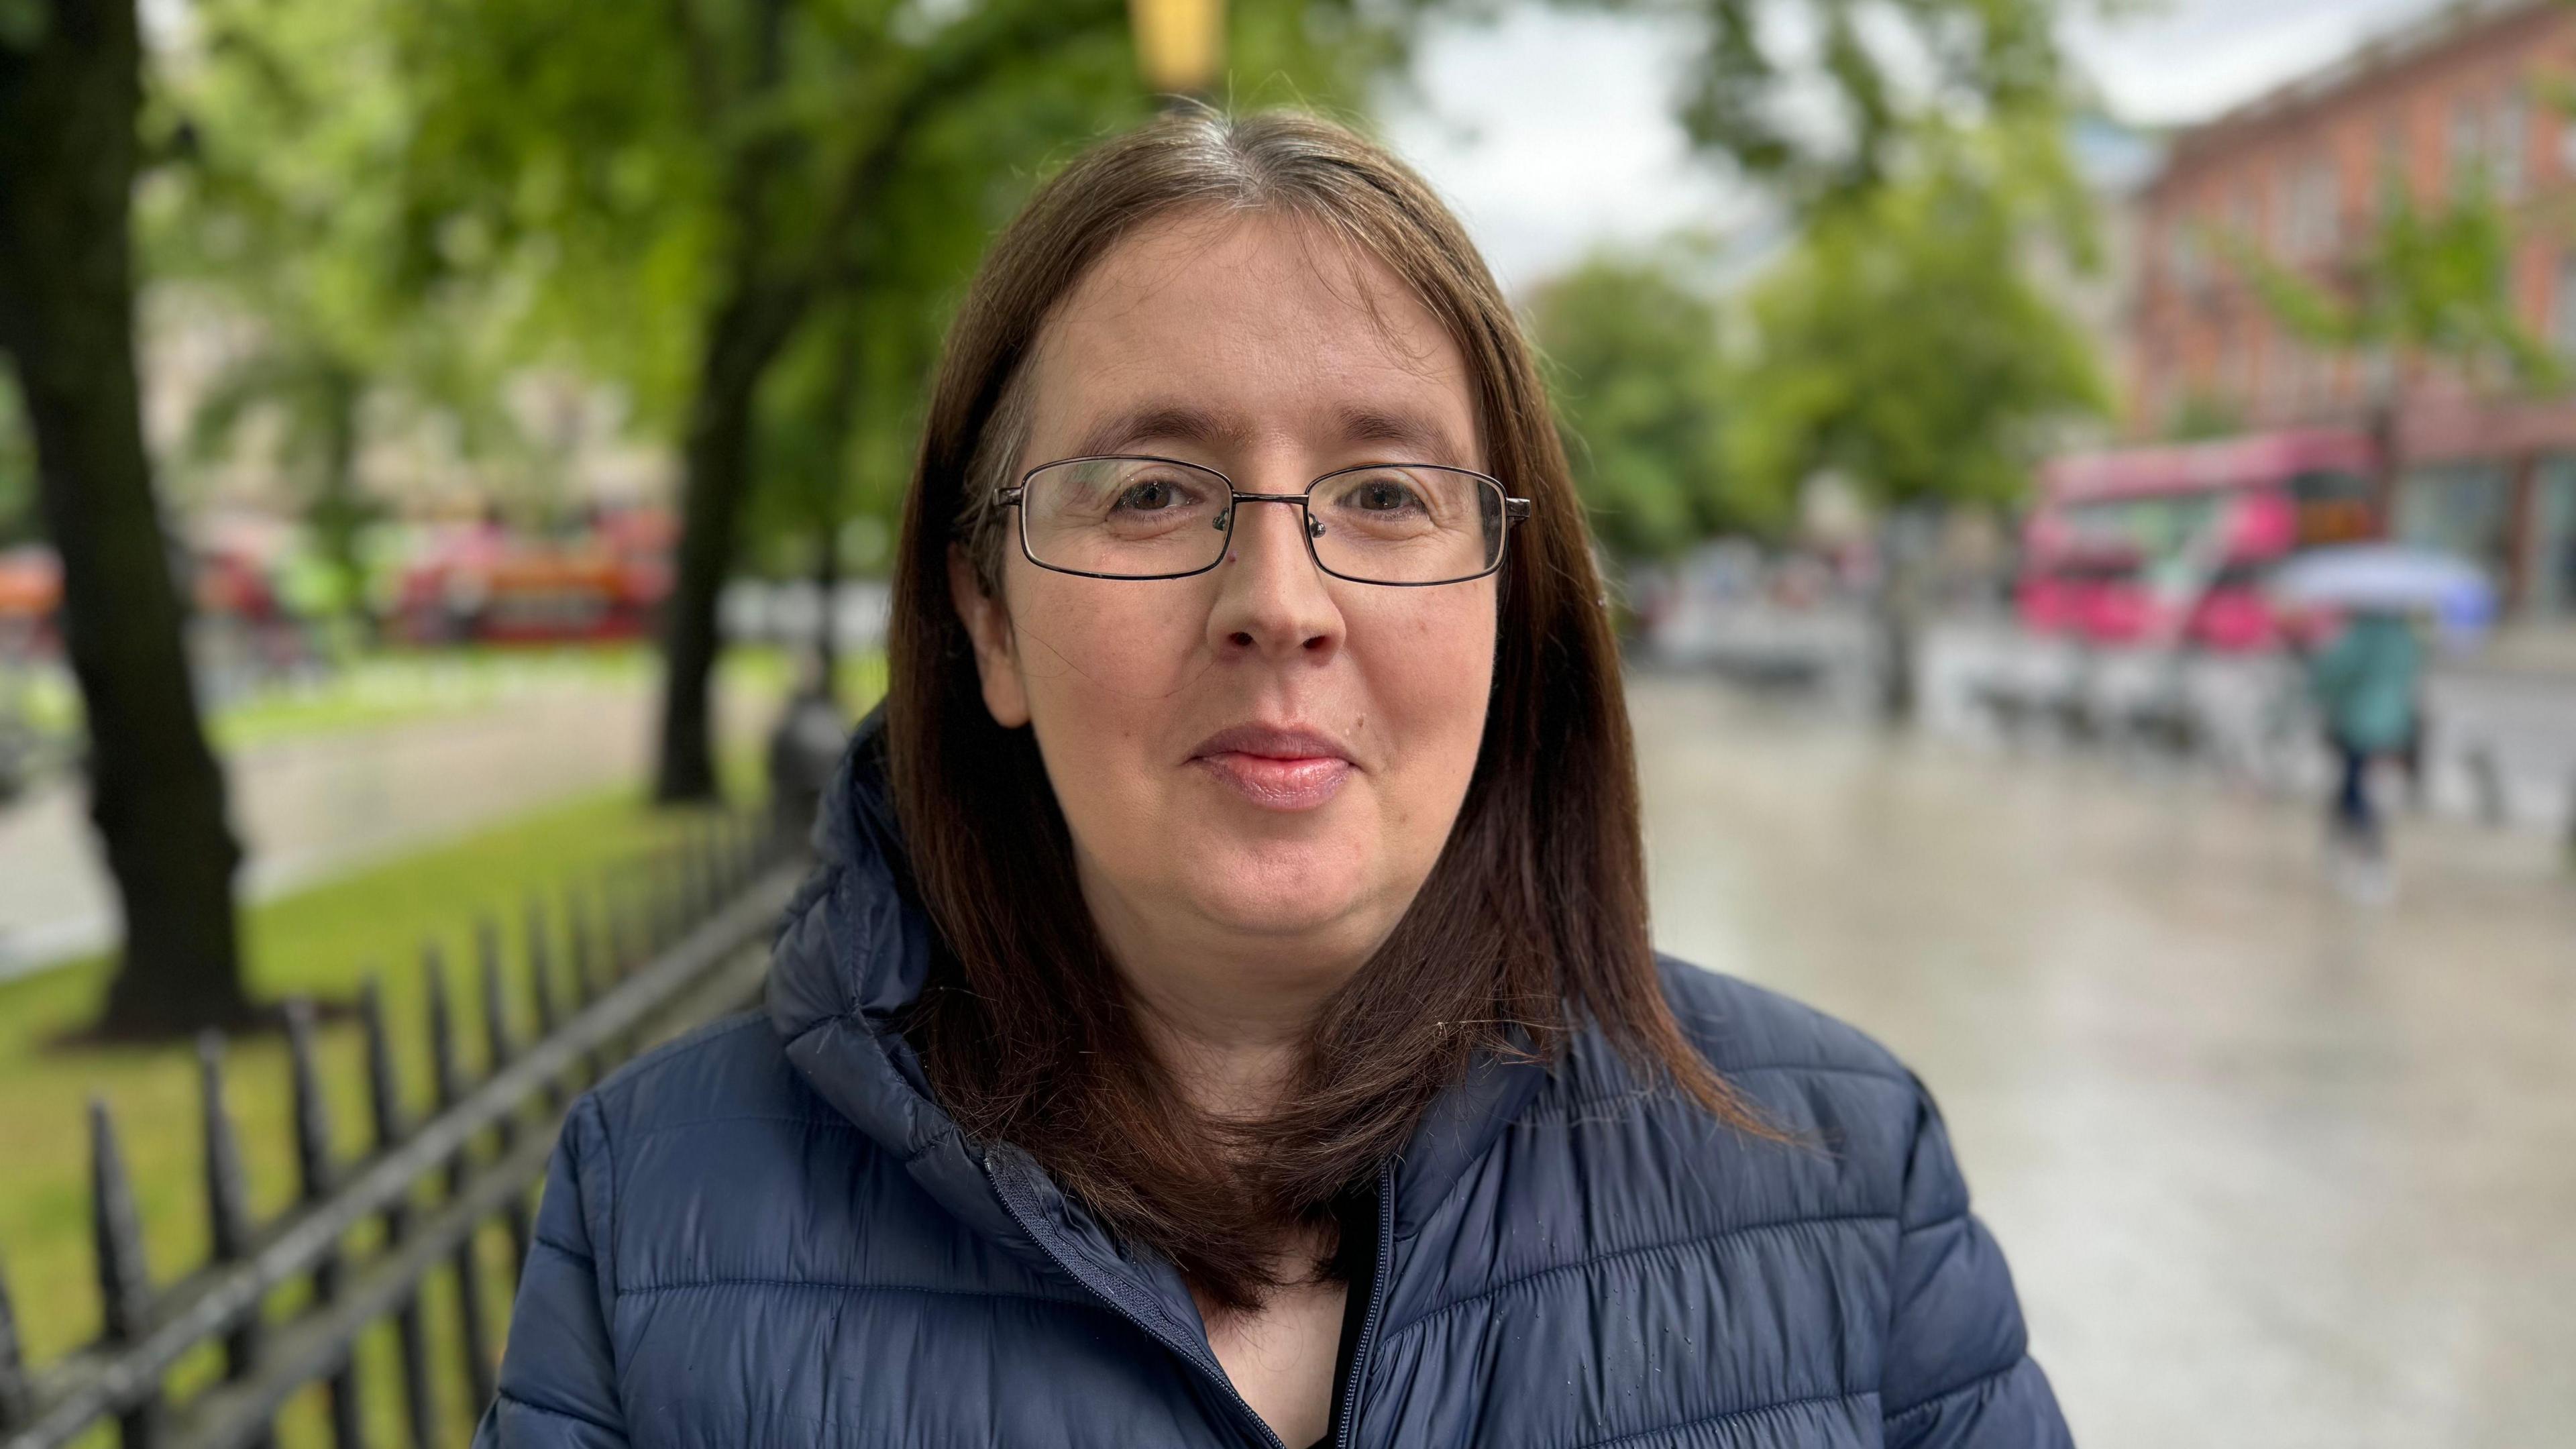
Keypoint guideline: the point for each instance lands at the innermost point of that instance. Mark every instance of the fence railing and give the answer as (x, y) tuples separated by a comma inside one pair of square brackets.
[(685, 942)]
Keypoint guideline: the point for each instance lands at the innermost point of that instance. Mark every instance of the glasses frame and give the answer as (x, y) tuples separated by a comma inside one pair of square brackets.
[(1515, 510)]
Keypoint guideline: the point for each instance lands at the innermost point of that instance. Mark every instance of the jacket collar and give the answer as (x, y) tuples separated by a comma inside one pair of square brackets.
[(854, 950)]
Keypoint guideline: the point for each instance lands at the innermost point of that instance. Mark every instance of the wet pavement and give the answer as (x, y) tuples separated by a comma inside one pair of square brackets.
[(2273, 1167), (311, 809)]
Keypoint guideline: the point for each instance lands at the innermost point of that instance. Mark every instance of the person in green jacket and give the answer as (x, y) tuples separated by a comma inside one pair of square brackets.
[(2365, 684)]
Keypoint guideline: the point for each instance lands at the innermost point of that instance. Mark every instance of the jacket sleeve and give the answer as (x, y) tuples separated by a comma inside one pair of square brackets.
[(1959, 1373), (558, 1385)]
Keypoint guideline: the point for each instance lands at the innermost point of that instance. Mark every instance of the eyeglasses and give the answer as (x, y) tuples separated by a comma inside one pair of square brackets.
[(1404, 524)]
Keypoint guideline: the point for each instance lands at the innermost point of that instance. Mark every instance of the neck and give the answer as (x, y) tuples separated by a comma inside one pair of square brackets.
[(1228, 1015)]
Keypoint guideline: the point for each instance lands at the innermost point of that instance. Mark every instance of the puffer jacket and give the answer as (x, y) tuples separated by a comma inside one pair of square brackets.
[(768, 1233)]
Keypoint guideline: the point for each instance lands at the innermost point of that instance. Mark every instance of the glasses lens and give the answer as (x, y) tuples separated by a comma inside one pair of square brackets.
[(1124, 517), (1407, 525)]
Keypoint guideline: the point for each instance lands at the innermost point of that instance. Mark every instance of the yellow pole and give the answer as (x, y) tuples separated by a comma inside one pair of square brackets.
[(1180, 44)]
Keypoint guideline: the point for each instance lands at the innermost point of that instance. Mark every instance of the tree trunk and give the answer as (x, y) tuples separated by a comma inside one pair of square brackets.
[(1906, 536), (337, 512), (827, 588), (67, 158), (831, 494), (2387, 415), (748, 332)]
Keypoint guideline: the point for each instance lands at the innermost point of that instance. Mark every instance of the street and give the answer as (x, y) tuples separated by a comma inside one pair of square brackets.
[(2272, 1168)]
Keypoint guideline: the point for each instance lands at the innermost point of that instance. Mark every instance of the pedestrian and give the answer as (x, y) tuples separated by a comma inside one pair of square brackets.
[(1222, 1010), (2366, 684)]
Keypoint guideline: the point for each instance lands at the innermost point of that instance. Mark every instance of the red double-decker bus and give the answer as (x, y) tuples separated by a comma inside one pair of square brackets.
[(483, 583), (2169, 545)]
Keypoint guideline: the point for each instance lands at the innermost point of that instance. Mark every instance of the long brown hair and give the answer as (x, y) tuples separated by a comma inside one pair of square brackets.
[(1532, 920)]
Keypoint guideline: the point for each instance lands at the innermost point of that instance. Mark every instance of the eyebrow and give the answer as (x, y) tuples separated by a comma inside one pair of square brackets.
[(1407, 430), (1158, 423), (1184, 424)]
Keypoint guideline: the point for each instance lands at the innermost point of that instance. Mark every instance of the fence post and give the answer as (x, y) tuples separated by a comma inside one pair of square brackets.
[(500, 1052), (124, 1278), (15, 1398), (313, 1169), (585, 982), (541, 980), (384, 1099), (665, 898), (615, 934), (450, 1086), (703, 875), (227, 1200)]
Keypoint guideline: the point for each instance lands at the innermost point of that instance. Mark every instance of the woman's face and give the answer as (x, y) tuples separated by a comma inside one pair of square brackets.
[(1261, 754)]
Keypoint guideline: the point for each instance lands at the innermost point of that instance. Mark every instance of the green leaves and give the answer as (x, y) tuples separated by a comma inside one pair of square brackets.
[(23, 23), (1824, 100), (1904, 344), (1633, 351), (2435, 283)]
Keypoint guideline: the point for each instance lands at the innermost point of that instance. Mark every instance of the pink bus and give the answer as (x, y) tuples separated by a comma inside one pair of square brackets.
[(2168, 545)]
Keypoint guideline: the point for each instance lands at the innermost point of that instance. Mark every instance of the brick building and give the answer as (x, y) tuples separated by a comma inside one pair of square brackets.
[(2472, 99)]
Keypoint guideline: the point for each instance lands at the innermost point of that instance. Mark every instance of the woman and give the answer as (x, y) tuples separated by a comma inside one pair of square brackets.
[(2366, 685), (1223, 1012)]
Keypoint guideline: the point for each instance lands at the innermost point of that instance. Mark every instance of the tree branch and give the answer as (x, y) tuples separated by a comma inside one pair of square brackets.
[(963, 57)]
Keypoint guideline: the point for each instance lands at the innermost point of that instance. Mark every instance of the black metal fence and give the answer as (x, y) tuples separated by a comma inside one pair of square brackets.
[(683, 939)]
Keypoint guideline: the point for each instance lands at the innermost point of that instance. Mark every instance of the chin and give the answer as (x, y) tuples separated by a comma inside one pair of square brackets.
[(1274, 890)]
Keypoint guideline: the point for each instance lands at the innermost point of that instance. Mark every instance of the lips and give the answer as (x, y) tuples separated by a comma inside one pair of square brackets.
[(1274, 767)]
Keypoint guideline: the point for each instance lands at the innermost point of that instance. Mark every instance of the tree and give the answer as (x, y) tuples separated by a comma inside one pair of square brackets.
[(285, 122), (17, 471), (1826, 101), (703, 178), (70, 81), (2425, 286), (1635, 359), (1897, 347), (699, 174)]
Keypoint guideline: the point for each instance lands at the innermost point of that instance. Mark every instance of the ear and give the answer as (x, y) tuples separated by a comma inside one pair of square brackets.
[(997, 660)]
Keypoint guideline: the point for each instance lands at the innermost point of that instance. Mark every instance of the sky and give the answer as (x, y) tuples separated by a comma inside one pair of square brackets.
[(1553, 134)]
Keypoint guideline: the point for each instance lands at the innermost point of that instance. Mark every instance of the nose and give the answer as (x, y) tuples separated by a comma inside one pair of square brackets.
[(1272, 602)]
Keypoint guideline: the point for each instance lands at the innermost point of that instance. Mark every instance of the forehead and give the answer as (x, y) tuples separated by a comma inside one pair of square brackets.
[(1224, 334)]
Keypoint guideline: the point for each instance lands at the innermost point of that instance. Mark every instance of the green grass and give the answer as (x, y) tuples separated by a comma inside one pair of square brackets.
[(392, 688), (322, 942)]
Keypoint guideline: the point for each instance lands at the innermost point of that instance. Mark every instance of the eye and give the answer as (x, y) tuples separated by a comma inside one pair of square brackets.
[(1381, 495), (1153, 495)]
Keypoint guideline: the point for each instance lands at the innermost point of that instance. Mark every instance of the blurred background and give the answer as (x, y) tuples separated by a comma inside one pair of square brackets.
[(2090, 489)]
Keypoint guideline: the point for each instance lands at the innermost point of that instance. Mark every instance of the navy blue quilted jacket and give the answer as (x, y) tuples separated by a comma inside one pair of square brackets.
[(768, 1233)]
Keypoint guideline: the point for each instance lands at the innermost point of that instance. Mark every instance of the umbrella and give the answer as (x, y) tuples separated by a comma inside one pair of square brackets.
[(2387, 576)]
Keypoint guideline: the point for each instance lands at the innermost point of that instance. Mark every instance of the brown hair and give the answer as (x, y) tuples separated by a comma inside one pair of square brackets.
[(1533, 919)]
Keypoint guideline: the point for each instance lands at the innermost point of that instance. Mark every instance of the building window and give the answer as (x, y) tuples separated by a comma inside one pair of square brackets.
[(2562, 305), (2465, 160), (2182, 253), (2552, 559), (2245, 216), (2309, 214), (2506, 150), (2463, 509)]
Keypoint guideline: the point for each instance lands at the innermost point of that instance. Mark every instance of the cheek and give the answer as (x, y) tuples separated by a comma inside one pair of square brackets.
[(1431, 673), (1100, 666), (1091, 653)]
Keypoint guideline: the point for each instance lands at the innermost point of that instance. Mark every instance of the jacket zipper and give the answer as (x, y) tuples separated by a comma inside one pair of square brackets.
[(1376, 1306), (1178, 1347)]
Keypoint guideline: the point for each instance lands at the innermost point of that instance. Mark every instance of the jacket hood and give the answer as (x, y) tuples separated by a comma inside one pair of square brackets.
[(855, 950)]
